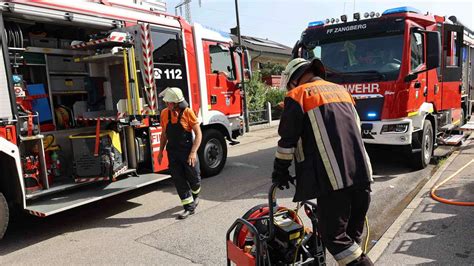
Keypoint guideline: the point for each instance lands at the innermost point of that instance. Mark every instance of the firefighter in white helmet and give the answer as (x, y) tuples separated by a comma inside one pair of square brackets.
[(178, 122), (320, 129)]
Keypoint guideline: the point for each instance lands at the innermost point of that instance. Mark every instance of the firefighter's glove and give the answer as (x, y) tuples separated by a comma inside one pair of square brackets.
[(281, 176)]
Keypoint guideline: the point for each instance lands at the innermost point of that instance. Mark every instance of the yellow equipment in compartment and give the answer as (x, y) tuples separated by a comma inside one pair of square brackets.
[(108, 161)]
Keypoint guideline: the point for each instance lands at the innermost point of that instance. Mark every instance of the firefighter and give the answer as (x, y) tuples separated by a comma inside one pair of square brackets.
[(178, 122), (320, 130)]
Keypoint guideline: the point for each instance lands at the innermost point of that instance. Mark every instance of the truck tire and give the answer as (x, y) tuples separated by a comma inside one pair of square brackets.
[(4, 215), (421, 159), (212, 153)]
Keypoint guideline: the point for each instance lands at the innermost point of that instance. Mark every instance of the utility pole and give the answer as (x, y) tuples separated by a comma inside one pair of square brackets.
[(242, 74), (187, 9)]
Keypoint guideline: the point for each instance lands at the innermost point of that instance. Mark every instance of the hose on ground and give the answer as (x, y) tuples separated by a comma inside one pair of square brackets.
[(449, 201)]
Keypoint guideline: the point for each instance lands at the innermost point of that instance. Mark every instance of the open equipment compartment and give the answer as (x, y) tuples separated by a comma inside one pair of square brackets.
[(86, 78)]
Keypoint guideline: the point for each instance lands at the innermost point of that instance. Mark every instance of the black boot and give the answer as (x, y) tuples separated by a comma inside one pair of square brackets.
[(188, 210), (196, 199), (185, 214), (362, 260)]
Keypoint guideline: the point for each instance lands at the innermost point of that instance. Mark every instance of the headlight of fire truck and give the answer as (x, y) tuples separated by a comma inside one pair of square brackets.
[(395, 128)]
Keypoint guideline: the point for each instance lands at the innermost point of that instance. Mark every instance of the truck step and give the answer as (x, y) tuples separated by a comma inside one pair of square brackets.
[(56, 188), (57, 203), (469, 126), (448, 127), (453, 140)]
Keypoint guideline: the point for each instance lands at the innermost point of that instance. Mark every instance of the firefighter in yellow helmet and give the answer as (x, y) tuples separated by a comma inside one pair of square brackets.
[(178, 122), (320, 130)]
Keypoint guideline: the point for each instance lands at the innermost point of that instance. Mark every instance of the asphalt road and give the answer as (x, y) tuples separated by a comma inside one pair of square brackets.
[(141, 226)]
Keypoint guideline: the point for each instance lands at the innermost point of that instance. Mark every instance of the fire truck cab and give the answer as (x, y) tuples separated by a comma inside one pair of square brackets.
[(79, 105), (409, 73)]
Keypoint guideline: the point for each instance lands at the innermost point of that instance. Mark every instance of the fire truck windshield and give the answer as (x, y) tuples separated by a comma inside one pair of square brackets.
[(359, 59)]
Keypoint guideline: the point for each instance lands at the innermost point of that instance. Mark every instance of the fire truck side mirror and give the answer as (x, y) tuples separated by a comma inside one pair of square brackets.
[(411, 77), (433, 49), (296, 51)]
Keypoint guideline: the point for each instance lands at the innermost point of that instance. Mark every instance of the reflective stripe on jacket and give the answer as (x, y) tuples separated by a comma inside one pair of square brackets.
[(320, 129)]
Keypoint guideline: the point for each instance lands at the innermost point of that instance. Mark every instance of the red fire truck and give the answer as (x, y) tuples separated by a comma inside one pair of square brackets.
[(78, 99), (409, 73)]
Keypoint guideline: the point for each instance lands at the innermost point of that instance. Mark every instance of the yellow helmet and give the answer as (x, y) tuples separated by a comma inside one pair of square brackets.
[(172, 95)]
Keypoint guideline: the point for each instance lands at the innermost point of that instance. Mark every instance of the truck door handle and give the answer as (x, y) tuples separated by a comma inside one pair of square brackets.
[(417, 85), (425, 91)]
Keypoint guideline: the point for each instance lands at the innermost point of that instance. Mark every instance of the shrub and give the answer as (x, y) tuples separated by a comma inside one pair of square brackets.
[(256, 93), (275, 96), (268, 69)]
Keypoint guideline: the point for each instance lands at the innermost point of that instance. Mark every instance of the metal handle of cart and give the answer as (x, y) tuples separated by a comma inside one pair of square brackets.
[(272, 204), (319, 253)]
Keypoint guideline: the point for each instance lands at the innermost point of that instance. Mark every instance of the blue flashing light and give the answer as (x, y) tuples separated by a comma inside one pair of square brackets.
[(372, 115), (316, 23), (403, 9)]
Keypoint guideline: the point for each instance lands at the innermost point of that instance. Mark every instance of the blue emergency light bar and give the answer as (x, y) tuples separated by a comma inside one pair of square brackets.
[(403, 9), (371, 115), (316, 23)]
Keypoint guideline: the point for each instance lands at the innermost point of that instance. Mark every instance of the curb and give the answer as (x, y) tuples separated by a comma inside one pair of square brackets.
[(377, 250)]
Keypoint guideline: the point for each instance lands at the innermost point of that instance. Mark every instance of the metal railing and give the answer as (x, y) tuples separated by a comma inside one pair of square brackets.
[(258, 117)]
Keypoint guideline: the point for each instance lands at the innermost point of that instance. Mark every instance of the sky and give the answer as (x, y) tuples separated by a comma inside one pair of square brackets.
[(283, 21)]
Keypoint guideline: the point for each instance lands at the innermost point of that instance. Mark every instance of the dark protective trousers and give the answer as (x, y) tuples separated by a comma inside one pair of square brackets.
[(187, 179), (341, 217)]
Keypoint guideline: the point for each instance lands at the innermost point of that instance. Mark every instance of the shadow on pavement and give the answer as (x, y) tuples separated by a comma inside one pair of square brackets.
[(442, 235), (29, 230), (242, 174)]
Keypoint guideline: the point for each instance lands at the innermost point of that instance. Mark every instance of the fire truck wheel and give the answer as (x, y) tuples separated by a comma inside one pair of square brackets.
[(422, 159), (212, 153), (4, 215)]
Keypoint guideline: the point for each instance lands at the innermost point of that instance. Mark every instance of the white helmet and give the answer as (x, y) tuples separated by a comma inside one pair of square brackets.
[(298, 67), (290, 69), (172, 95)]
